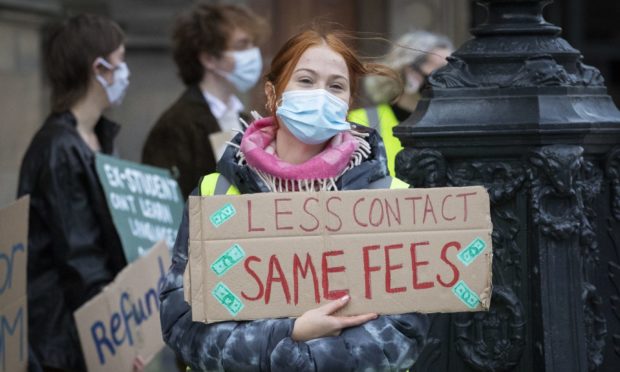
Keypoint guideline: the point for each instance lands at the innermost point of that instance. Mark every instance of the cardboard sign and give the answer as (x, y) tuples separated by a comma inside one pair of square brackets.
[(393, 251), (145, 203), (123, 320), (13, 300), (218, 141)]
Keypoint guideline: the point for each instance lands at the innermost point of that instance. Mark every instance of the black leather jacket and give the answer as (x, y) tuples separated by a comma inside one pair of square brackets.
[(73, 248)]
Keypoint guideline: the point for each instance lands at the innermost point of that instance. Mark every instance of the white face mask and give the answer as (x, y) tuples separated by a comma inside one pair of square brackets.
[(248, 66), (120, 81)]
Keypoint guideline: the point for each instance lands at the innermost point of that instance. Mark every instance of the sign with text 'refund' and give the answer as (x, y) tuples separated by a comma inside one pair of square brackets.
[(393, 251), (13, 301), (145, 203), (122, 321)]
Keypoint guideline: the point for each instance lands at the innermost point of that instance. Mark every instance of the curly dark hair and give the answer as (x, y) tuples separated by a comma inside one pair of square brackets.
[(207, 28), (69, 52)]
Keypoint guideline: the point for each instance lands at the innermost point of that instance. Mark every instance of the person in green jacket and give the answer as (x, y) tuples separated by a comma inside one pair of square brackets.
[(415, 55)]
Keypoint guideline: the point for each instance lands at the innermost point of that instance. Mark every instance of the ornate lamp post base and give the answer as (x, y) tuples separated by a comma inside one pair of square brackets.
[(518, 112)]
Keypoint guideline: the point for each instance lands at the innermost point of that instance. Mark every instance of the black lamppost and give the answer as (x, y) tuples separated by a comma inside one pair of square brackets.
[(516, 110)]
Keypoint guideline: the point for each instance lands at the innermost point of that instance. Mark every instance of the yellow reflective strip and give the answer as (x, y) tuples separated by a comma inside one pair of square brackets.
[(207, 186), (209, 182), (387, 122), (398, 184), (232, 190), (358, 116)]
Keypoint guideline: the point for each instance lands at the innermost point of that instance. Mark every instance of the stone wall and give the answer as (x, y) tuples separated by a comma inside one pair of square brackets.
[(23, 101)]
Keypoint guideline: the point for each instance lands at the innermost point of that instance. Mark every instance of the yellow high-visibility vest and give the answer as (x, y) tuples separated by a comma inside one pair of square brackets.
[(382, 119), (216, 184)]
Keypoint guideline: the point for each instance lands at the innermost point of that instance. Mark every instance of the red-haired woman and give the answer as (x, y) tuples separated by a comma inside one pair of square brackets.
[(305, 145)]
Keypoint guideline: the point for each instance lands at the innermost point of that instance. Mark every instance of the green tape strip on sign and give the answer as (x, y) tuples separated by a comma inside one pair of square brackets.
[(472, 251), (228, 259), (222, 215), (227, 298), (466, 295)]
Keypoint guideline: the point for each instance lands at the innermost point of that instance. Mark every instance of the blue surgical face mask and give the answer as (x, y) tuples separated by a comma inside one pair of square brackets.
[(248, 66), (313, 116)]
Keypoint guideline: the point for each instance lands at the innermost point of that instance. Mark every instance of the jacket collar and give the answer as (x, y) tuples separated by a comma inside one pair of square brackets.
[(105, 129), (194, 94)]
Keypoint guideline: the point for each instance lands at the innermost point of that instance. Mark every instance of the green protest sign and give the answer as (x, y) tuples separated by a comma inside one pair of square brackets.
[(145, 203)]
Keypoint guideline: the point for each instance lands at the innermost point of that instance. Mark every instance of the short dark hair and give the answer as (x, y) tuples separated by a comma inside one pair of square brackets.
[(207, 28), (71, 49)]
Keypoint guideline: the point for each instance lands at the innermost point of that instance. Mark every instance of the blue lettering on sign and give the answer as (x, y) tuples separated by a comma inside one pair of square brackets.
[(120, 321), (8, 277), (8, 329)]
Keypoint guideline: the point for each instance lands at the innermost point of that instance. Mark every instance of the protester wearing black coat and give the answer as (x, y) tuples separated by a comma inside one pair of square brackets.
[(73, 248)]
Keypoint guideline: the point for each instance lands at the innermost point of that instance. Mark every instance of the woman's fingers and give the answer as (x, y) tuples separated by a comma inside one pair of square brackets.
[(138, 364), (320, 322), (333, 306), (355, 320)]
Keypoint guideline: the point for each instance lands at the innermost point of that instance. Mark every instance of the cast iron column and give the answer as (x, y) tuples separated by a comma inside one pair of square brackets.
[(517, 111)]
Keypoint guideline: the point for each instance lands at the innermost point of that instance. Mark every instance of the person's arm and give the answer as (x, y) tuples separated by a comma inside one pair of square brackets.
[(388, 343), (216, 346), (77, 244)]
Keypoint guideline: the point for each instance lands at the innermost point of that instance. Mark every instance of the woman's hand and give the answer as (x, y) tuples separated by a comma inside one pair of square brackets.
[(319, 322), (138, 364)]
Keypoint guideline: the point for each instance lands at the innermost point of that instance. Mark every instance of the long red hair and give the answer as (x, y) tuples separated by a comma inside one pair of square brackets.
[(284, 62)]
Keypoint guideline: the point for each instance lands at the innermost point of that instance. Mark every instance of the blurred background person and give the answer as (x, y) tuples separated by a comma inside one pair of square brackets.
[(74, 250), (216, 53), (415, 55)]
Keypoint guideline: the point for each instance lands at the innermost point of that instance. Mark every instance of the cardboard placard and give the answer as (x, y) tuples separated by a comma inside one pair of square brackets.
[(218, 141), (122, 322), (145, 203), (393, 251), (13, 300)]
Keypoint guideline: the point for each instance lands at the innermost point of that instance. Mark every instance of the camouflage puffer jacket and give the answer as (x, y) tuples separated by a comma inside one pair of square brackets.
[(388, 343)]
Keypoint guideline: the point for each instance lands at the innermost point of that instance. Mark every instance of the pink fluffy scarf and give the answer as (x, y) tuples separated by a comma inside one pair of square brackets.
[(258, 149)]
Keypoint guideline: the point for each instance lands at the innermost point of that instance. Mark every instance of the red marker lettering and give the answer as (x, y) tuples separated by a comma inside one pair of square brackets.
[(389, 210), (355, 212), (413, 200), (298, 268), (279, 212), (274, 264), (369, 269), (250, 228), (414, 267), (316, 226), (246, 264), (444, 258), (327, 204), (389, 268), (428, 207), (326, 270), (374, 203), (464, 196), (443, 208)]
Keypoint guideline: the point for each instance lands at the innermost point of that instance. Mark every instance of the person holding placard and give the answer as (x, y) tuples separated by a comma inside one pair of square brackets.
[(305, 145), (74, 250)]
